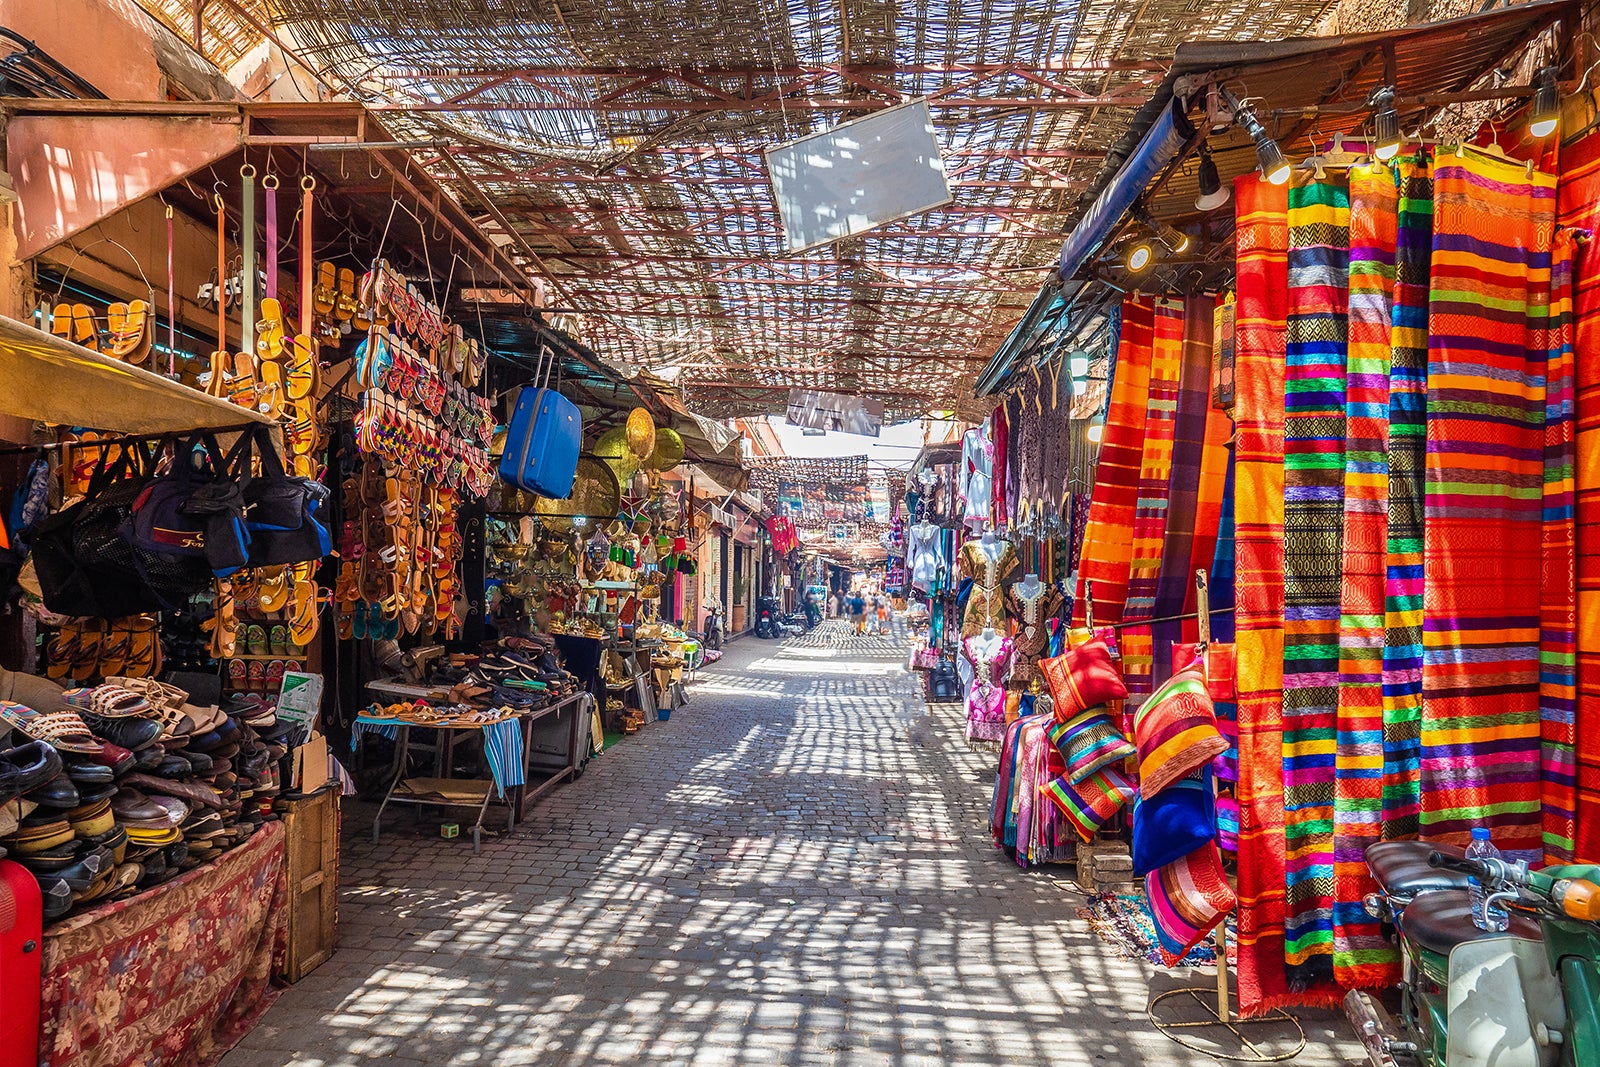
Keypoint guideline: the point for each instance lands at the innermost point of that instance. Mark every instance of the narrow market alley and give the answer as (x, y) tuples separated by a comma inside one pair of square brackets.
[(794, 870)]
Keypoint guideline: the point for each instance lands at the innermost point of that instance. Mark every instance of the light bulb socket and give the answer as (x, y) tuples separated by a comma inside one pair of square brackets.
[(1140, 256), (1212, 194), (1386, 124), (1545, 114), (1175, 240)]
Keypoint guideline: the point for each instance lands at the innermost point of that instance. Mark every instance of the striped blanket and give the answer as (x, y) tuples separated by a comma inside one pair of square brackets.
[(1262, 238), (1313, 495), (1579, 206), (1108, 535), (1484, 484)]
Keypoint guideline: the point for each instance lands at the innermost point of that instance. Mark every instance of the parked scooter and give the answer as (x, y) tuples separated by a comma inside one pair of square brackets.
[(712, 637), (1527, 996), (768, 622)]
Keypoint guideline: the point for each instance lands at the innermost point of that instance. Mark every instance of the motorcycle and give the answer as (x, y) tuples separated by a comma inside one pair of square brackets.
[(712, 637), (768, 622), (1526, 996)]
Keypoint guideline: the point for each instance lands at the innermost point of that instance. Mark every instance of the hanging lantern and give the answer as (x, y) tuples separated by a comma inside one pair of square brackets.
[(641, 432), (613, 447), (641, 484), (667, 451)]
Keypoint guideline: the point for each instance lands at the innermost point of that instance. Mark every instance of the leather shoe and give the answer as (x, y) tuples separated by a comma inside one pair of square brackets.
[(132, 734), (149, 759), (59, 792), (174, 767), (57, 896), (89, 774), (130, 805), (194, 792), (27, 767), (119, 759), (199, 763)]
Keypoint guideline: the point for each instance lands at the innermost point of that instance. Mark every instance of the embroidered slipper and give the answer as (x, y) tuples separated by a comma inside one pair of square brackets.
[(116, 702), (63, 730), (238, 674), (257, 675), (274, 675), (255, 639), (61, 321)]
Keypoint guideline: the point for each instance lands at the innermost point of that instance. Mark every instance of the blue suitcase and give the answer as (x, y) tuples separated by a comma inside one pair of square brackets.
[(542, 443)]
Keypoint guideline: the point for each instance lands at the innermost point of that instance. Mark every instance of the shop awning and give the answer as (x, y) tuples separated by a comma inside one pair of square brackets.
[(1161, 144), (47, 379)]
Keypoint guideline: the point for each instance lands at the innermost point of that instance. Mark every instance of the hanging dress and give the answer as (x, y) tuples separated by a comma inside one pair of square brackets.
[(1032, 616), (922, 555), (986, 604), (986, 696), (977, 475)]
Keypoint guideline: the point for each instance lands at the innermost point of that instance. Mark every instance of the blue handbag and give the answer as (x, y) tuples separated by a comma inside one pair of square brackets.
[(542, 442)]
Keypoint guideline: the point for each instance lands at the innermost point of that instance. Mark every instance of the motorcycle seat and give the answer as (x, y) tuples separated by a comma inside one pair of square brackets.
[(1441, 921), (1401, 868)]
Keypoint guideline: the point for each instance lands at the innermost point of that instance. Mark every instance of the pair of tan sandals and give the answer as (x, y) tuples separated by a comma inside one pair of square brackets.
[(130, 329)]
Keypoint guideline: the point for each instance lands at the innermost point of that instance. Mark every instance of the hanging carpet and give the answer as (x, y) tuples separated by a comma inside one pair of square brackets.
[(1313, 480), (1484, 477), (1262, 240), (1579, 203)]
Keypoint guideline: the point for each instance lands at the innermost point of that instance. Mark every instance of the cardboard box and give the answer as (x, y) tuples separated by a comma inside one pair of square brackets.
[(309, 765)]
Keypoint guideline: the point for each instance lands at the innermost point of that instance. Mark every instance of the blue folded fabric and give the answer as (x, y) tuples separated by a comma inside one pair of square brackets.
[(1173, 823)]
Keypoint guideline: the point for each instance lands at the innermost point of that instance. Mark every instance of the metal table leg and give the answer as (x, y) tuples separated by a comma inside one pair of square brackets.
[(401, 743)]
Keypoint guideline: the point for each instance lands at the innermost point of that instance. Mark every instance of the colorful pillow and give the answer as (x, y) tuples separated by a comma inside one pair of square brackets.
[(1089, 741), (1173, 823), (1176, 731), (1082, 678), (1088, 804), (1188, 898)]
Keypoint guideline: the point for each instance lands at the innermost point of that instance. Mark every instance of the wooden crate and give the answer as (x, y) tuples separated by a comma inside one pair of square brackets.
[(312, 855)]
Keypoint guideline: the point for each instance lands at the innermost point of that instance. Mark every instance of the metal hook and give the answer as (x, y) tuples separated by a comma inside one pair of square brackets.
[(374, 172)]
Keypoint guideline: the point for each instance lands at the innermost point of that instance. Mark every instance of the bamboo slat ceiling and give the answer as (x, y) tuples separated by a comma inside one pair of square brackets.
[(623, 140)]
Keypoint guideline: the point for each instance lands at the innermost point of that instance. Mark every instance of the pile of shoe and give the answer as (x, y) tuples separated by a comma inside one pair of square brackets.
[(131, 785), (522, 674)]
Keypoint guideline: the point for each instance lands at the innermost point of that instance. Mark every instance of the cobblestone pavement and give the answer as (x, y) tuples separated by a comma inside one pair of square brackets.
[(795, 869)]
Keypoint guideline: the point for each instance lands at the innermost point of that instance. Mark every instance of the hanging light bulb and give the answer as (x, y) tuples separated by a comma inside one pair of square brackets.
[(1078, 367), (1212, 192), (1096, 431), (1386, 124), (1176, 240), (1141, 254), (1545, 115), (1274, 164)]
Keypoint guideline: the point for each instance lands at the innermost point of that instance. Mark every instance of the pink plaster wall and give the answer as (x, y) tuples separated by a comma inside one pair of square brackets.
[(105, 42)]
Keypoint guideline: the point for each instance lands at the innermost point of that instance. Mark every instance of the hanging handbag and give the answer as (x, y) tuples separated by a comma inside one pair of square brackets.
[(85, 563), (282, 511), (542, 441), (193, 512), (924, 659), (944, 684)]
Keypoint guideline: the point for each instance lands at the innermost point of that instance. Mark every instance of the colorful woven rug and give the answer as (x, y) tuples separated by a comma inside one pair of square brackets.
[(1108, 536), (1362, 956), (1579, 206), (1262, 240), (1408, 394), (1124, 923), (1558, 668), (1150, 520), (1175, 585), (1492, 225), (1313, 493)]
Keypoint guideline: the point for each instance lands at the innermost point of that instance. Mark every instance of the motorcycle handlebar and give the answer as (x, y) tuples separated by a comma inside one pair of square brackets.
[(1489, 872)]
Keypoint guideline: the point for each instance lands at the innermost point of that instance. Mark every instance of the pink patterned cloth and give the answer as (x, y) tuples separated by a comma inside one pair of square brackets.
[(174, 976), (986, 696)]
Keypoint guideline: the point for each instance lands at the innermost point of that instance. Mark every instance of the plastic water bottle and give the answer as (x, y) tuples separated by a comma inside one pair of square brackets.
[(1483, 849)]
